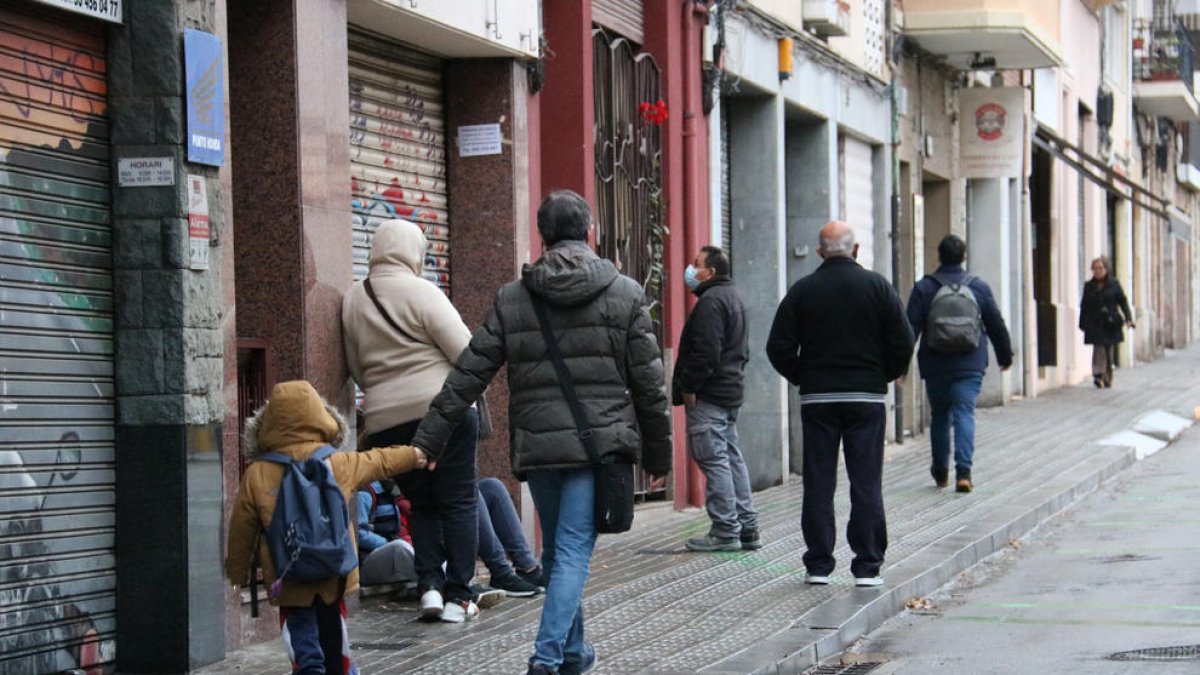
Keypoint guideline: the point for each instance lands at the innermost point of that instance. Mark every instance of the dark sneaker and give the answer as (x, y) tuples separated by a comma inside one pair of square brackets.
[(751, 541), (514, 586), (487, 597), (868, 582), (941, 477), (534, 576), (570, 667), (539, 669), (709, 543)]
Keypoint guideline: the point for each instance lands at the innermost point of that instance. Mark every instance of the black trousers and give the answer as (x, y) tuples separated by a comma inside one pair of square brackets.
[(859, 428), (444, 523)]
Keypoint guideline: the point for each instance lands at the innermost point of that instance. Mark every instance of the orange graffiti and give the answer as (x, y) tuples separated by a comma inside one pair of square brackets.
[(49, 93)]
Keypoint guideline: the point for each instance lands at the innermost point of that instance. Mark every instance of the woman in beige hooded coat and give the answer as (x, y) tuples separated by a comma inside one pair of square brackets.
[(400, 345)]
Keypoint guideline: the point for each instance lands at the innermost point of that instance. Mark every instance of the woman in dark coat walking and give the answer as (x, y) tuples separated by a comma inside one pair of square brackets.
[(1103, 314)]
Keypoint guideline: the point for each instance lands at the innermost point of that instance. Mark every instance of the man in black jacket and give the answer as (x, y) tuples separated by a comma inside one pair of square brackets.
[(841, 335), (708, 380), (607, 339)]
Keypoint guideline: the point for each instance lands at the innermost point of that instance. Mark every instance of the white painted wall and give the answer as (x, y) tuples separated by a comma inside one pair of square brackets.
[(467, 28)]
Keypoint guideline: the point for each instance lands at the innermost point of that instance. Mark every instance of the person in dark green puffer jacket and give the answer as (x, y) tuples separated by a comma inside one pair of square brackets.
[(607, 339)]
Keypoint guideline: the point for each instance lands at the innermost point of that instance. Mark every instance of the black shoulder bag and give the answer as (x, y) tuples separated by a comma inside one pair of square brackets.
[(481, 406), (614, 478)]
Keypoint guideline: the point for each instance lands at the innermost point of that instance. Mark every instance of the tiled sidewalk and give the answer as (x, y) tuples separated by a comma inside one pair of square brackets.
[(652, 607)]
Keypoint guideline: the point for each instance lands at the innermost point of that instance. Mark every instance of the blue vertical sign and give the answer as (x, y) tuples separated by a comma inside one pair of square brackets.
[(205, 97)]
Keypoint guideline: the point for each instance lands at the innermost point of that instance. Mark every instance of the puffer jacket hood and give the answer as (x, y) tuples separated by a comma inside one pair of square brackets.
[(398, 244), (569, 274), (605, 333), (294, 421)]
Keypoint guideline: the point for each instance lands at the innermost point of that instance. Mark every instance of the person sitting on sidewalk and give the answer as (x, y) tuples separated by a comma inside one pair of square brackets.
[(953, 372), (840, 335), (297, 423), (709, 383), (501, 541), (385, 550)]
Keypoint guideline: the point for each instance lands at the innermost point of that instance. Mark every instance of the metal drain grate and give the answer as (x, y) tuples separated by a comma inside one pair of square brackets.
[(837, 669), (382, 646), (1180, 653)]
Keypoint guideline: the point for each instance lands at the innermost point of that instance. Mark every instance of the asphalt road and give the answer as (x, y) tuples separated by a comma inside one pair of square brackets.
[(1118, 571)]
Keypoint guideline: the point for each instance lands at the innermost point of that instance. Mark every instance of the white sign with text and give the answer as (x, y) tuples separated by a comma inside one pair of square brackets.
[(479, 139), (145, 171), (198, 228), (992, 139)]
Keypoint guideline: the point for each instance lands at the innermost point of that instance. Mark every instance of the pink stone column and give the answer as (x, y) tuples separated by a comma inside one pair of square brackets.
[(490, 219), (291, 185)]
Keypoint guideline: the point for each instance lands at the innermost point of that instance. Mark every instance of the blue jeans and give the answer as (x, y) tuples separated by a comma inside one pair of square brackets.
[(500, 536), (952, 399), (315, 638), (714, 443), (565, 505)]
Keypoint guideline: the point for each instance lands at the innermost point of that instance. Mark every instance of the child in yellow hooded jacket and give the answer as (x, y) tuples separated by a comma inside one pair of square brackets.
[(296, 422)]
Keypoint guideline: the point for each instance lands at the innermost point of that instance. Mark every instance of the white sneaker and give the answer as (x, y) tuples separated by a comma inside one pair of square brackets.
[(816, 580), (458, 612), (432, 604), (868, 582)]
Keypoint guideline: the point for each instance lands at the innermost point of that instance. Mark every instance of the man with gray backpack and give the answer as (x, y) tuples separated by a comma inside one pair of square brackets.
[(955, 315)]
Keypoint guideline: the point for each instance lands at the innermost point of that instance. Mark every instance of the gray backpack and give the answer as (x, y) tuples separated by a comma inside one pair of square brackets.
[(954, 325)]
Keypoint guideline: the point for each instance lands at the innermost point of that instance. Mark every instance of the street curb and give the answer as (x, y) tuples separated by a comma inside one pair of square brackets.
[(829, 628)]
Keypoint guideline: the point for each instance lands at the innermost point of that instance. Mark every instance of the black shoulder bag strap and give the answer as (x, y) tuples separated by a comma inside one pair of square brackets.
[(387, 317), (565, 382)]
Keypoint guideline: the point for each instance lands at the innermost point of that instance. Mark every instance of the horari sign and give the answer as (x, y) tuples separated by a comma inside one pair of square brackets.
[(109, 10), (145, 171)]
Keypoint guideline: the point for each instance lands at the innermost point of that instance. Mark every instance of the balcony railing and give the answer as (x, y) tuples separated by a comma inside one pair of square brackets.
[(1163, 54)]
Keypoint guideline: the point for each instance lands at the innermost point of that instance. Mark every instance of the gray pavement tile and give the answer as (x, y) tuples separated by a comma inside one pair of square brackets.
[(654, 608)]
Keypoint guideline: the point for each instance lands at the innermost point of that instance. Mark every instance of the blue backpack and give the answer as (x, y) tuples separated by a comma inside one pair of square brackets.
[(309, 535)]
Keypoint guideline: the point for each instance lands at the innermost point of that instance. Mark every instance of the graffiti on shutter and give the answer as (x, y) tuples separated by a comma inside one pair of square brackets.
[(397, 148), (57, 562)]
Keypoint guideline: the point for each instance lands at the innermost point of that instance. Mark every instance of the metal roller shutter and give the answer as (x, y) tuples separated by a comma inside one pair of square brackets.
[(57, 564), (622, 16), (857, 182), (397, 148), (726, 193)]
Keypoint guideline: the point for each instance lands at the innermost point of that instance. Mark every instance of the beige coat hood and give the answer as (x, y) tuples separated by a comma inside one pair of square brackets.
[(398, 244), (400, 371)]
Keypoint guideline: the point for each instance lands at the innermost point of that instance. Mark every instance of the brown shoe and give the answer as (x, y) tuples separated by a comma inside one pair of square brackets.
[(962, 481), (940, 478)]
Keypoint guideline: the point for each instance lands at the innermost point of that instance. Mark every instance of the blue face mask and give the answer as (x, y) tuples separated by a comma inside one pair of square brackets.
[(689, 277)]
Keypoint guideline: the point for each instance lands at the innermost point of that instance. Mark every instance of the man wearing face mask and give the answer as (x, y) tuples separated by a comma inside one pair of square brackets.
[(708, 381)]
